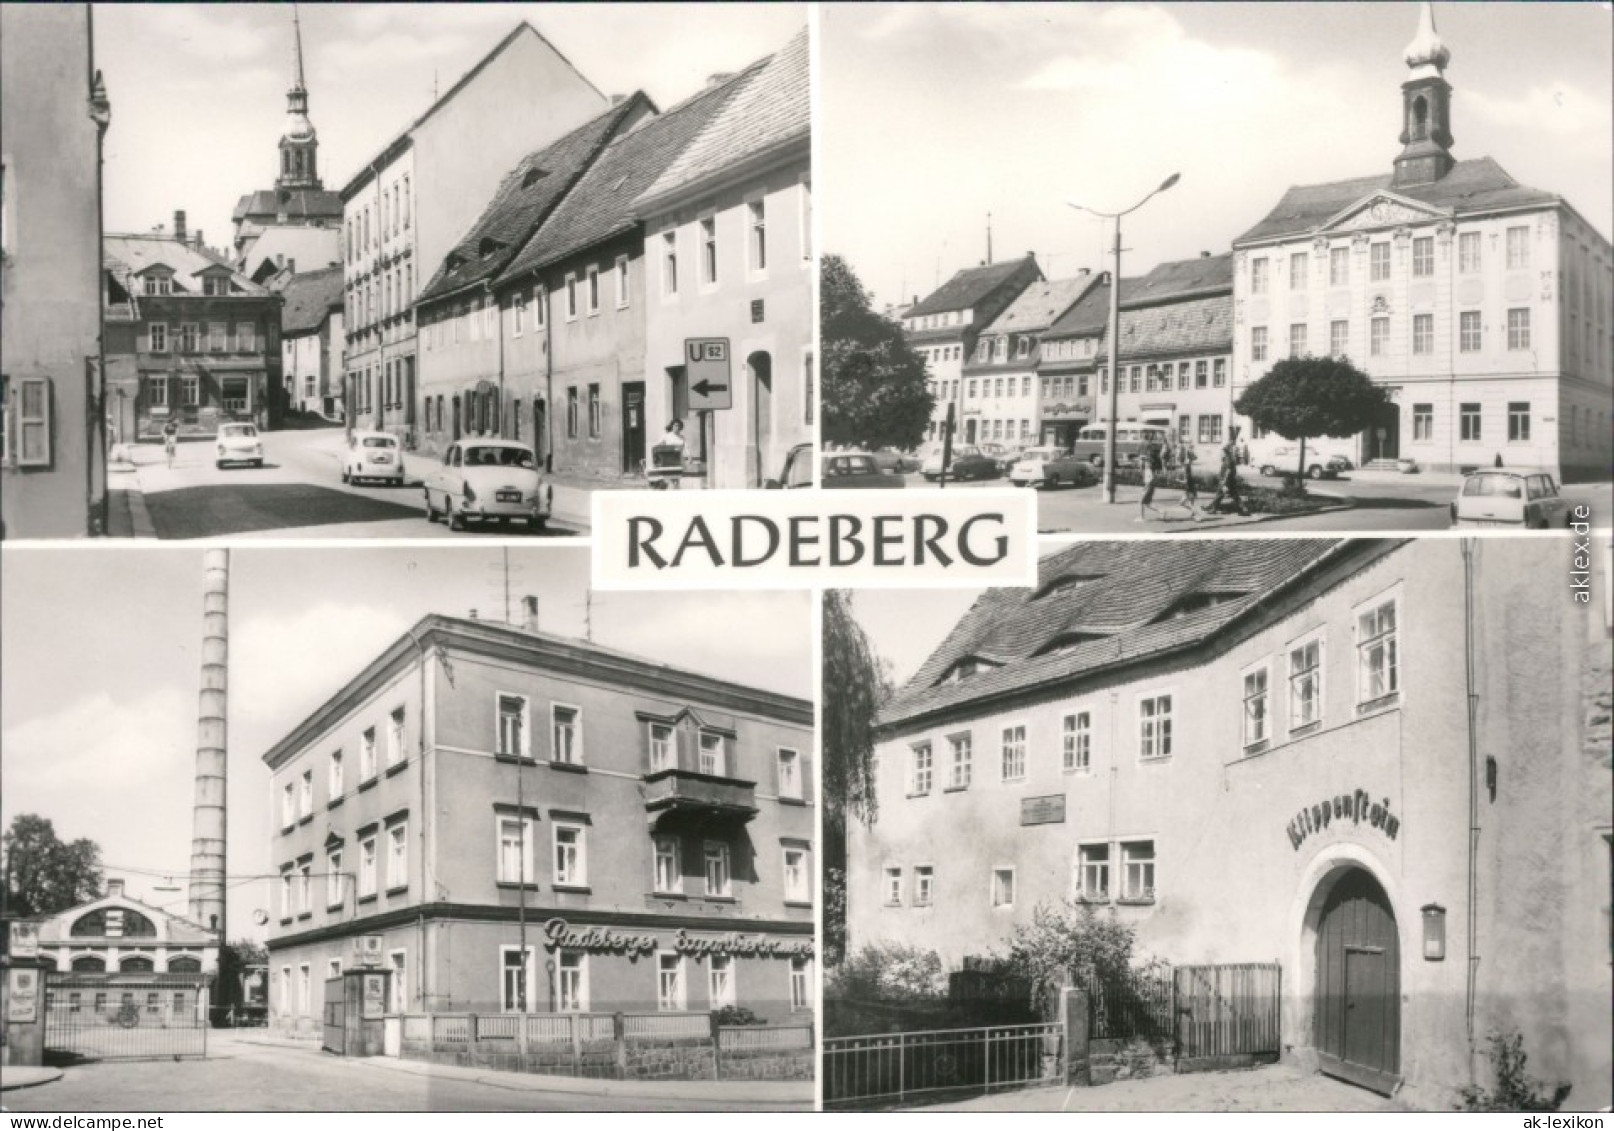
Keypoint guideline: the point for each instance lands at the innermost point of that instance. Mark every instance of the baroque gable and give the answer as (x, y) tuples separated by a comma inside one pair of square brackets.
[(1382, 210)]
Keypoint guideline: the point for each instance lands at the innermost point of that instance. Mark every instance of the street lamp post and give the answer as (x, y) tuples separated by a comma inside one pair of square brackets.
[(1115, 330)]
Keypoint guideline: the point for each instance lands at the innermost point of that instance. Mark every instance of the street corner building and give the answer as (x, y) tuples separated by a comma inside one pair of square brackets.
[(52, 433), (1480, 304), (1273, 752), (500, 821)]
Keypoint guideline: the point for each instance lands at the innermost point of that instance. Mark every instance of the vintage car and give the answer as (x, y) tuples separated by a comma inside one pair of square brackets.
[(238, 443), (1284, 459), (797, 471), (1500, 496), (856, 469), (488, 481), (373, 455), (1049, 467), (968, 463), (894, 461)]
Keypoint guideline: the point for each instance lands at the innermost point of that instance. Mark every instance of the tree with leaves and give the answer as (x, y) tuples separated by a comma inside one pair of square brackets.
[(875, 393), (1301, 398), (856, 685), (44, 875)]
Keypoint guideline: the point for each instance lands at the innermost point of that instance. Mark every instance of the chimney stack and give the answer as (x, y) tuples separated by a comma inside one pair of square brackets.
[(197, 237), (1204, 255), (529, 613), (473, 615), (179, 225), (208, 826), (114, 888)]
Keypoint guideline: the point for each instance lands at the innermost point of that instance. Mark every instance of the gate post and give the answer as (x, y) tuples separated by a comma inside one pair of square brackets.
[(23, 1012), (1073, 1013)]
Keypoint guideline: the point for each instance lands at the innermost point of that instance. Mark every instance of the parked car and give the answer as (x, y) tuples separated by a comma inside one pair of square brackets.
[(968, 463), (797, 471), (898, 463), (238, 443), (1049, 467), (1282, 459), (373, 455), (1500, 496), (489, 481), (857, 469), (1004, 455)]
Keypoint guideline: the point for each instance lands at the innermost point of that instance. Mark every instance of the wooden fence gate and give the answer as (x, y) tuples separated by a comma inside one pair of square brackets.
[(1227, 1013)]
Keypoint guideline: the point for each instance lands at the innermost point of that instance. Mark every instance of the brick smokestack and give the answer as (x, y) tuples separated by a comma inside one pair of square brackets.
[(208, 826), (179, 225)]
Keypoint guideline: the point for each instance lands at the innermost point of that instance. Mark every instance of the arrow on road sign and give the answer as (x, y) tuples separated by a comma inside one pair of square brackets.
[(706, 388)]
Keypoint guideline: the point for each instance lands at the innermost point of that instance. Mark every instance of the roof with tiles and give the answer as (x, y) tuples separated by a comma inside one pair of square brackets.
[(969, 287), (771, 111), (1040, 305), (601, 205), (1198, 325), (126, 255), (1112, 602), (527, 196), (294, 204), (310, 297), (1091, 314), (1471, 186), (1181, 278)]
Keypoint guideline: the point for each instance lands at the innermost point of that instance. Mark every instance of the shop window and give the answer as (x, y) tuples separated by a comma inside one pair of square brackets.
[(721, 990), (515, 979), (670, 994)]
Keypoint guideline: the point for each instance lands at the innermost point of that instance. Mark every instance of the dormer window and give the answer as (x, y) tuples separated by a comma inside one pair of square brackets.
[(1193, 603), (488, 246), (158, 284), (967, 667), (215, 285), (1065, 583), (533, 176), (1067, 642)]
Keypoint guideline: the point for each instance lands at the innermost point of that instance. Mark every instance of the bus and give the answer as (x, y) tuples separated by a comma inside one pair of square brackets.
[(1131, 440)]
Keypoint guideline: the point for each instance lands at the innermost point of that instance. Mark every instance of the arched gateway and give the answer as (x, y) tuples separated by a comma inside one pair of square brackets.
[(1356, 993)]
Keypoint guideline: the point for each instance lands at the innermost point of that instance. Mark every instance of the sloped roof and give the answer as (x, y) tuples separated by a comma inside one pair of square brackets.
[(526, 197), (967, 288), (1126, 599), (601, 204), (772, 111), (297, 204), (1202, 325), (1040, 305), (310, 296), (129, 254), (1470, 186), (1206, 274), (1090, 314)]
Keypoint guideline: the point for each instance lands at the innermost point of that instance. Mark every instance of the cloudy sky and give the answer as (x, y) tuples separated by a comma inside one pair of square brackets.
[(101, 662), (934, 115), (199, 91)]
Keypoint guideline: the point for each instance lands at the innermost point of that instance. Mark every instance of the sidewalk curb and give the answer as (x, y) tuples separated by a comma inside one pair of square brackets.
[(29, 1079), (1257, 519)]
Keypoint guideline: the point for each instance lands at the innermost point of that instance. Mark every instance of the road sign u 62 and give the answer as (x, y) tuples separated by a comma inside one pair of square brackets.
[(707, 369)]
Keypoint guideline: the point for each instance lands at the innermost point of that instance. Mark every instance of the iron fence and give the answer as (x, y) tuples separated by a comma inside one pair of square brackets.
[(124, 1016), (1130, 1005), (894, 1068)]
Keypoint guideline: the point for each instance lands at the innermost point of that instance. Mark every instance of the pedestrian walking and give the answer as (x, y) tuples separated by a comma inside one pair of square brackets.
[(1153, 468), (170, 440), (1227, 482), (1190, 488)]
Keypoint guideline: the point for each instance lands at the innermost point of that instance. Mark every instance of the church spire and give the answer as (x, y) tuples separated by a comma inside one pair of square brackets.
[(1425, 108), (299, 144)]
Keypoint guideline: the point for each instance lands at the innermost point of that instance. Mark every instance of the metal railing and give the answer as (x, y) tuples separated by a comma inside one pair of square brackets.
[(124, 1016), (895, 1068)]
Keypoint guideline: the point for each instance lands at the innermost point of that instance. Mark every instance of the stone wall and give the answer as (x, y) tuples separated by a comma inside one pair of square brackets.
[(668, 1060), (1110, 1060), (767, 1064)]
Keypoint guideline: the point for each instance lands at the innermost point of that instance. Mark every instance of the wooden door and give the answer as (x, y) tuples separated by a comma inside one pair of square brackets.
[(1358, 992)]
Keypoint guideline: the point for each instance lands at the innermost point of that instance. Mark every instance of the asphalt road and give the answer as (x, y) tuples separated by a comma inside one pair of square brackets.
[(240, 1076), (299, 492)]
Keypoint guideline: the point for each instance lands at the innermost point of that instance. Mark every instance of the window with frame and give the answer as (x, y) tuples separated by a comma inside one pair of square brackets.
[(789, 766), (924, 885), (246, 337), (1377, 658), (593, 290), (395, 737), (1014, 753), (335, 893), (518, 314), (1297, 339), (305, 794), (708, 251), (801, 984), (1078, 742), (1378, 337), (567, 734), (757, 210), (515, 850), (663, 747), (367, 764), (1201, 376), (919, 778), (1219, 371), (1137, 870), (1469, 334), (594, 412), (286, 877), (670, 996), (1305, 684), (719, 880), (1519, 328), (1093, 871), (720, 986), (571, 297), (1210, 428), (713, 754), (1256, 707), (333, 776), (620, 273), (305, 888), (288, 805), (571, 412), (1154, 727), (1423, 257), (798, 887), (1468, 418), (1339, 266), (1258, 276), (512, 727), (1378, 262), (158, 285), (1423, 333), (1258, 343), (666, 874), (1003, 887), (1423, 422), (571, 855), (367, 869), (959, 768), (187, 337), (1299, 267), (1518, 240), (1339, 337), (669, 263), (1518, 422), (156, 390), (539, 304), (515, 970), (893, 887), (397, 856), (157, 332), (1468, 252)]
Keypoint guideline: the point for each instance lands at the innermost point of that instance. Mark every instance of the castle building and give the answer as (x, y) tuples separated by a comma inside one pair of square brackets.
[(1382, 764), (298, 223), (1481, 305)]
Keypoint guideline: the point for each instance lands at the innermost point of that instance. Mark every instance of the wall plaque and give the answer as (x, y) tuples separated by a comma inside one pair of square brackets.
[(1048, 810)]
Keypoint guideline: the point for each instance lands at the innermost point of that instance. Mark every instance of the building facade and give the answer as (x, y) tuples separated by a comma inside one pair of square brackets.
[(189, 339), (1480, 304), (529, 823), (52, 436), (944, 327), (1001, 401), (728, 242), (1277, 750), (311, 342), (404, 211)]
